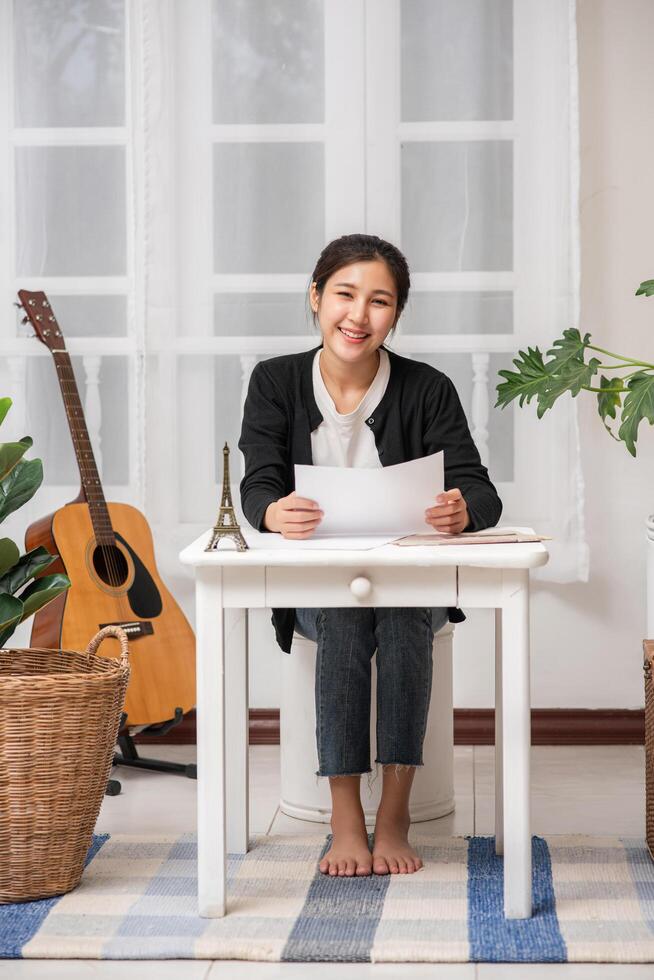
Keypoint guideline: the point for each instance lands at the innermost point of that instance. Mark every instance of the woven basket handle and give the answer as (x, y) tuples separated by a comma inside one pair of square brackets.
[(648, 655), (120, 634)]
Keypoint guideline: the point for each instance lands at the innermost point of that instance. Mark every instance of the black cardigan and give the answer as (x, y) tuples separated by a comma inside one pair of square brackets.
[(420, 413)]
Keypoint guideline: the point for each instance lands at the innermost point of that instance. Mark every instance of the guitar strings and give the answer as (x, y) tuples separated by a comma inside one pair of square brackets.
[(94, 500), (88, 468)]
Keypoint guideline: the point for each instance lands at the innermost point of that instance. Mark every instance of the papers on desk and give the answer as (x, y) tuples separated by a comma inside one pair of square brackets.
[(275, 542), (493, 535), (490, 535), (388, 502), (364, 507)]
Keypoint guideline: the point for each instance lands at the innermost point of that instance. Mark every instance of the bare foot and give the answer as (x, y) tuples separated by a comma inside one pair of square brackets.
[(349, 854), (392, 853)]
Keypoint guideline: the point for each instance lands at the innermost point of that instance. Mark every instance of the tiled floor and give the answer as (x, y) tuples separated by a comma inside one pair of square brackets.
[(595, 790)]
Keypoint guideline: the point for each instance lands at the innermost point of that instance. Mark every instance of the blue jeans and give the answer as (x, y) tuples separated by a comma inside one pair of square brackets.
[(347, 639)]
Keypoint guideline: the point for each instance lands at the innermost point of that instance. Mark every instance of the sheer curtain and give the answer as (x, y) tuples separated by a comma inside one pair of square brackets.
[(174, 170)]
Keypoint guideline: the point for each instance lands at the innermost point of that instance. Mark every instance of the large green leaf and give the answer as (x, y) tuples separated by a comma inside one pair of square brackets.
[(26, 567), (638, 405), (524, 383), (646, 288), (572, 376), (570, 347), (9, 555), (41, 592), (20, 486), (568, 361), (11, 453), (567, 370), (5, 405), (11, 611), (608, 400)]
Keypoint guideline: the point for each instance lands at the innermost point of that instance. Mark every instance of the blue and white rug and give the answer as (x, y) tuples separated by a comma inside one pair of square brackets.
[(593, 902)]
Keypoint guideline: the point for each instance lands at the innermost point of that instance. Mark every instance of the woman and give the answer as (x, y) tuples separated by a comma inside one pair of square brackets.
[(353, 402)]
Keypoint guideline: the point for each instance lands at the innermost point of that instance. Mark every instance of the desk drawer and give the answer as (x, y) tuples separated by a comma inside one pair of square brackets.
[(360, 586)]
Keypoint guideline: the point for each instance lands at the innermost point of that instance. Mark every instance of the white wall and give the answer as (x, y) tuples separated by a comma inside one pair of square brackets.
[(588, 638)]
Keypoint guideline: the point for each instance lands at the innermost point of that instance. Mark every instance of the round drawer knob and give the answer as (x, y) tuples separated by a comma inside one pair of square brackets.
[(361, 587)]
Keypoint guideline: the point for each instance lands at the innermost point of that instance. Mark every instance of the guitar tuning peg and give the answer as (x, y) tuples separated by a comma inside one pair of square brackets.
[(19, 305), (24, 320)]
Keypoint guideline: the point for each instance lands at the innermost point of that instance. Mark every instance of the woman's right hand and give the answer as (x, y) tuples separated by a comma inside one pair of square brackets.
[(293, 517)]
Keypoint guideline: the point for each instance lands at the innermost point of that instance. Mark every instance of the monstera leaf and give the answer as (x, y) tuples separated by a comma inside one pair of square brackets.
[(608, 400), (567, 370), (524, 383), (638, 405), (646, 288)]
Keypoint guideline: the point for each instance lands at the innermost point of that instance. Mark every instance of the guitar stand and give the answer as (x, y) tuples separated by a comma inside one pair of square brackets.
[(129, 754)]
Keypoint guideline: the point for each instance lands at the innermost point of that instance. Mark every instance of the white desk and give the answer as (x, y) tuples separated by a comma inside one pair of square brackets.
[(228, 582)]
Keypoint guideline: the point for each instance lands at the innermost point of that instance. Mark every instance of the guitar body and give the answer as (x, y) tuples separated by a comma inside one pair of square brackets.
[(118, 585)]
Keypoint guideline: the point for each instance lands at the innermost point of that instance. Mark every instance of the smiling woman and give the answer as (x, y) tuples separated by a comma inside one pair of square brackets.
[(352, 402), (358, 313)]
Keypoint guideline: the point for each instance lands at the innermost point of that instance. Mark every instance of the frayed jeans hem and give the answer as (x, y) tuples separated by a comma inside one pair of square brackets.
[(398, 766), (385, 765)]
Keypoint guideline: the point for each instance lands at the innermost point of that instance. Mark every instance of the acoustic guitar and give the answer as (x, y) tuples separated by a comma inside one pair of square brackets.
[(106, 549)]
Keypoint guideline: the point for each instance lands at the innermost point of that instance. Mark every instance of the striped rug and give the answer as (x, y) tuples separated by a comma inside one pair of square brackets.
[(593, 902)]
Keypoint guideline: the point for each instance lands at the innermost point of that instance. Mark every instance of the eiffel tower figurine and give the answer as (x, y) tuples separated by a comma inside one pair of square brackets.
[(226, 525)]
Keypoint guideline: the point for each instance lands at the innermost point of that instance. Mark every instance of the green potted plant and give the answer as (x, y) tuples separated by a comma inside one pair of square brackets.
[(568, 370), (21, 592)]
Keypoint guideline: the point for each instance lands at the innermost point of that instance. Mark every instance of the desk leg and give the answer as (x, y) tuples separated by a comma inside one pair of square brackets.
[(236, 730), (499, 787), (211, 741), (516, 739)]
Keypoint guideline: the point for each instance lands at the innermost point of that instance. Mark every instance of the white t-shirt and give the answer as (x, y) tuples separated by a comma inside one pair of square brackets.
[(346, 440)]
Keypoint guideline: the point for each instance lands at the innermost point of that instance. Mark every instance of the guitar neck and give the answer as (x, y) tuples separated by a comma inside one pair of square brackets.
[(88, 469)]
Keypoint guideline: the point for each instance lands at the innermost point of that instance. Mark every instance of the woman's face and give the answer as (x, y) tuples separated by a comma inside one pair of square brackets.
[(356, 310)]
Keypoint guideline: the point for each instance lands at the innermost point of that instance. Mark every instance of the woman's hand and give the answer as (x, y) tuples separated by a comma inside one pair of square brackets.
[(450, 513), (293, 517)]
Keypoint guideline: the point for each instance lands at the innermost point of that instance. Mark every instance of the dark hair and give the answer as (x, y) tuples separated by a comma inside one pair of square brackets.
[(363, 248)]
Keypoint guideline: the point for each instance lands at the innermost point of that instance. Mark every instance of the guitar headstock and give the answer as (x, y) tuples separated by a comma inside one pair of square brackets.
[(41, 315)]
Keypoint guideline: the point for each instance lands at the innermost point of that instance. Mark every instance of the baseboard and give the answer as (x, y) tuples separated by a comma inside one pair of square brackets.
[(557, 726), (473, 726)]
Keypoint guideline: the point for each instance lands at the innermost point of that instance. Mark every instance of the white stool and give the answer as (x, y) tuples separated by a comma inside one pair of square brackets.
[(307, 798)]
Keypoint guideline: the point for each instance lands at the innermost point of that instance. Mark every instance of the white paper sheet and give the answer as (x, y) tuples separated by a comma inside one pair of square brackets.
[(388, 502), (275, 542)]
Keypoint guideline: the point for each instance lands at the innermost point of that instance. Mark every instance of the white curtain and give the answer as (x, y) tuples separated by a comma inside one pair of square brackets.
[(176, 168)]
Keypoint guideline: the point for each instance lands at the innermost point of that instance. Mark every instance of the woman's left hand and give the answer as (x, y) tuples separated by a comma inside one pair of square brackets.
[(450, 513)]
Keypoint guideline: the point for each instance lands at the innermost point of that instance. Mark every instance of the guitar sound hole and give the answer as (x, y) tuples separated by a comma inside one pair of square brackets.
[(110, 565)]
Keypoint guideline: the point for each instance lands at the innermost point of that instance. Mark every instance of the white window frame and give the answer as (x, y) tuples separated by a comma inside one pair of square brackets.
[(170, 283), (17, 349)]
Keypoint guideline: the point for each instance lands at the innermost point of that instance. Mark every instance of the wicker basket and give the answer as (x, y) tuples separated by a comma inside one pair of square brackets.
[(648, 665), (59, 718)]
